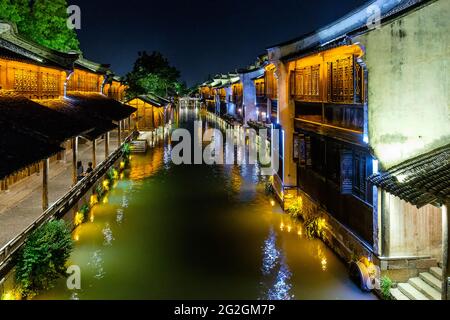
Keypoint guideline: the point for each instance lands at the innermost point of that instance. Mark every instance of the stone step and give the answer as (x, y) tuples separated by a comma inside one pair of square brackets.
[(411, 292), (431, 280), (397, 295), (436, 272), (425, 288)]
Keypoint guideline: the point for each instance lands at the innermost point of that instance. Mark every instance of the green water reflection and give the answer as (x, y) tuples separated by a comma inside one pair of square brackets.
[(198, 232)]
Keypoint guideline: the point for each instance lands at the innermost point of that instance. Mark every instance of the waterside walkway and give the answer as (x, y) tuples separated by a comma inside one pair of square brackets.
[(21, 205)]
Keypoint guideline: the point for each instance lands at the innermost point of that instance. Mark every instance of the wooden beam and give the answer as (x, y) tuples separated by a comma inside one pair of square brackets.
[(74, 160), (45, 167), (129, 125)]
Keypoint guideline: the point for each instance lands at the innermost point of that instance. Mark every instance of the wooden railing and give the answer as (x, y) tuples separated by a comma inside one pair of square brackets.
[(58, 209)]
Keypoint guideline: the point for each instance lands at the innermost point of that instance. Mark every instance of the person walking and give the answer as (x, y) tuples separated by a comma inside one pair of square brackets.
[(80, 171), (90, 168)]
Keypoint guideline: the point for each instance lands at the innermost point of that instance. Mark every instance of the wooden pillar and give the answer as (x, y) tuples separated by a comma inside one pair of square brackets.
[(94, 153), (106, 145), (119, 134), (5, 184), (129, 125), (45, 167), (445, 255), (74, 160)]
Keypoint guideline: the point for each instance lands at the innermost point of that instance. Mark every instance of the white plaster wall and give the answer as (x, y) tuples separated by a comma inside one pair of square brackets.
[(249, 92), (408, 62), (231, 107)]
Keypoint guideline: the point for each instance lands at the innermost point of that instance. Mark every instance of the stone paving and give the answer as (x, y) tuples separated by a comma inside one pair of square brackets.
[(21, 205)]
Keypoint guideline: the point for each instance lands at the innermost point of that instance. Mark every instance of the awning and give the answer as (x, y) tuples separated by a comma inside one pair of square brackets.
[(81, 116), (152, 99), (41, 122), (19, 150), (419, 181), (101, 106)]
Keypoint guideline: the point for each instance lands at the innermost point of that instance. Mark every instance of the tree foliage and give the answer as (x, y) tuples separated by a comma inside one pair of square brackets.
[(152, 73), (43, 21), (43, 258)]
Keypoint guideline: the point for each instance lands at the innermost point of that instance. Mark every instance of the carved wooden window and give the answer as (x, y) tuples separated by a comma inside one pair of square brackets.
[(50, 83), (25, 81), (305, 83), (345, 81), (260, 88), (91, 85), (237, 94), (271, 85)]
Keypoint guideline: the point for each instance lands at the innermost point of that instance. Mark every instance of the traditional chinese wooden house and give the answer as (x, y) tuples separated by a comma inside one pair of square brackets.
[(115, 88), (54, 98), (255, 102), (336, 100), (151, 111), (207, 95)]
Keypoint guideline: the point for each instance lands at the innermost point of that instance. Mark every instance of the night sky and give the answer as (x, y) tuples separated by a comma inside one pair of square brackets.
[(199, 37)]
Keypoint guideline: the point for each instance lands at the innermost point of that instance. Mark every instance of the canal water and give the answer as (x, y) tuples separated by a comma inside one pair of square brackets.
[(198, 232)]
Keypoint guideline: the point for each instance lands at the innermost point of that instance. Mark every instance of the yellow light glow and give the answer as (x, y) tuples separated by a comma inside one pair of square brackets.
[(106, 184), (94, 200), (282, 226), (324, 264), (322, 224), (105, 200), (289, 229), (9, 296), (79, 218), (76, 237), (92, 219), (299, 232), (122, 165), (272, 203)]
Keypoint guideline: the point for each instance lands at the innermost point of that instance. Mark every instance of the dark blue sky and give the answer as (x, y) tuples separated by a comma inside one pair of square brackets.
[(199, 37)]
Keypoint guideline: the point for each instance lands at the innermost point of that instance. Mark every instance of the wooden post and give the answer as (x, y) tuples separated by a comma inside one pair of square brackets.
[(129, 125), (445, 254), (106, 145), (74, 160), (119, 134), (94, 153), (45, 167), (5, 184)]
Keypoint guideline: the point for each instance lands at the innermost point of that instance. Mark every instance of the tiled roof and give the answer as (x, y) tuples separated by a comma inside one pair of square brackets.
[(12, 41), (419, 181), (92, 66), (81, 116), (37, 120), (101, 106), (19, 150), (152, 99)]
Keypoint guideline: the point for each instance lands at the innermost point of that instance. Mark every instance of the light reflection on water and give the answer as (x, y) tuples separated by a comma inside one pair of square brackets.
[(199, 232)]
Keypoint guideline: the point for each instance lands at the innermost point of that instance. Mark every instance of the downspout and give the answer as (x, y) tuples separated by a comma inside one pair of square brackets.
[(70, 73), (102, 86)]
